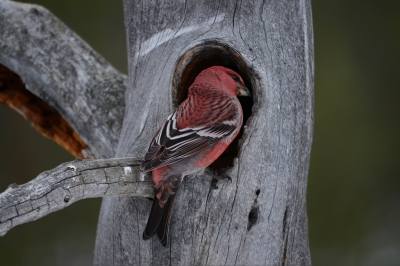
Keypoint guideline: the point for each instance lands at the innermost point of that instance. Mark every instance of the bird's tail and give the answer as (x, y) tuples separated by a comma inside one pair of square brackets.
[(160, 214)]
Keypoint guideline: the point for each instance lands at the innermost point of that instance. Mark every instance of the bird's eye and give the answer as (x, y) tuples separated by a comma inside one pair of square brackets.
[(235, 78)]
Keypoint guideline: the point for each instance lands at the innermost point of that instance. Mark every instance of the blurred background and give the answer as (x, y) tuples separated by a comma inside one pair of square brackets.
[(354, 180)]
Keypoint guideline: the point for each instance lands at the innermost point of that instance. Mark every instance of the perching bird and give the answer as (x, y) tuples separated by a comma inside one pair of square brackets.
[(192, 137)]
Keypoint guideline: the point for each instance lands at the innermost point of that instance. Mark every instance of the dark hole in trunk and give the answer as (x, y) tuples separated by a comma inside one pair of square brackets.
[(209, 54)]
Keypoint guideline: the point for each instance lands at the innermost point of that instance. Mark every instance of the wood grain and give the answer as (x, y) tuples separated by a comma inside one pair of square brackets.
[(259, 218), (70, 182), (57, 66)]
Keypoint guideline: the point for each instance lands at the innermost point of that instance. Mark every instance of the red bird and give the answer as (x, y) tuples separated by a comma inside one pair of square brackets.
[(194, 136)]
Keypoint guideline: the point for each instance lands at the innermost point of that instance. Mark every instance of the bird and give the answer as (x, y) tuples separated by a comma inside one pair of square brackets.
[(192, 137)]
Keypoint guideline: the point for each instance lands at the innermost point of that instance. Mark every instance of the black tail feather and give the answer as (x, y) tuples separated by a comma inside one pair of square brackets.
[(156, 214), (163, 228), (159, 218)]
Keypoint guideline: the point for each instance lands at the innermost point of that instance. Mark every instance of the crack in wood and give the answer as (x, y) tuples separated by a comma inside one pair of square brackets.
[(43, 117), (254, 213)]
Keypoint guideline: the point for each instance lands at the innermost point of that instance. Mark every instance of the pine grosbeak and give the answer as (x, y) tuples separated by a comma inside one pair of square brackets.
[(192, 137)]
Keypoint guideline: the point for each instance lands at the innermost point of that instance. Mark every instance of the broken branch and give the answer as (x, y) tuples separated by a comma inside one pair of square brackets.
[(69, 182)]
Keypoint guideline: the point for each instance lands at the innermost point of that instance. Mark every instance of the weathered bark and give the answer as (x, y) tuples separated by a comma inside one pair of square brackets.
[(60, 68), (258, 218), (58, 188)]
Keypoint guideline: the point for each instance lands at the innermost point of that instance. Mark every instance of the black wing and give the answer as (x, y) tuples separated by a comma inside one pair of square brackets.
[(171, 144)]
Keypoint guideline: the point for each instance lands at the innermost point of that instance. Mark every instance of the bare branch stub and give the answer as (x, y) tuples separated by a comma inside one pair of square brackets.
[(58, 188), (43, 117)]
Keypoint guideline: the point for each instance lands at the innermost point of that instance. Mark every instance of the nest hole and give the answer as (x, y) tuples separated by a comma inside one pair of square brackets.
[(210, 54)]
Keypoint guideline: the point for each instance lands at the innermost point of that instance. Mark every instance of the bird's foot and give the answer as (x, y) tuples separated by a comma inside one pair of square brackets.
[(217, 175)]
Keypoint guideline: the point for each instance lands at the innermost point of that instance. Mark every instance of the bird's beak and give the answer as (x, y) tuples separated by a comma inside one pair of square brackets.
[(242, 90)]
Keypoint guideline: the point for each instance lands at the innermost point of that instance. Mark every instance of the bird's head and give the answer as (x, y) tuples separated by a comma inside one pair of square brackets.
[(231, 81)]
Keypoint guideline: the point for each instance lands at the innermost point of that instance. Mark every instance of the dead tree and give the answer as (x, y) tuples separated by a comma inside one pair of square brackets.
[(72, 95)]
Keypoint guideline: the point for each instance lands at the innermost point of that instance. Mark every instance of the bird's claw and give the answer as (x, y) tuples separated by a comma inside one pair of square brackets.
[(214, 184), (217, 175)]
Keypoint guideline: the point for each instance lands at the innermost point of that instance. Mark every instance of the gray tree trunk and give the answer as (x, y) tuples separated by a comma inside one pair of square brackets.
[(260, 217), (257, 218)]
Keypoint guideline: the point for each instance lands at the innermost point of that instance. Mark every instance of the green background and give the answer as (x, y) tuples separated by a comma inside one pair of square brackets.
[(354, 185)]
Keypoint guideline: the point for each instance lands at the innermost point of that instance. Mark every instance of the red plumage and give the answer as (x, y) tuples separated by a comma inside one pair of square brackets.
[(192, 137)]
